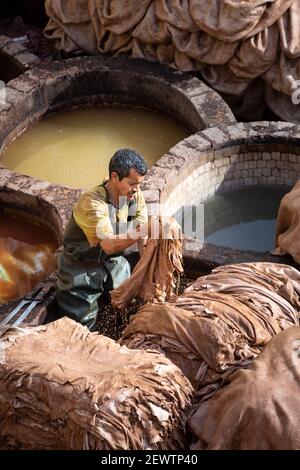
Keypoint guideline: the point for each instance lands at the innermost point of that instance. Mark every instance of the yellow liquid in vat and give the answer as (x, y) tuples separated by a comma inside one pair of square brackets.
[(73, 148)]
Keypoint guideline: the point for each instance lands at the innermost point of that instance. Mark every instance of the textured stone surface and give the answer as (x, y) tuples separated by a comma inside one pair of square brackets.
[(14, 59), (216, 136), (27, 59), (3, 41), (13, 48)]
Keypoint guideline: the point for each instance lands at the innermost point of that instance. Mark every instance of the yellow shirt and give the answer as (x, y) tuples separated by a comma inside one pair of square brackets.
[(98, 218)]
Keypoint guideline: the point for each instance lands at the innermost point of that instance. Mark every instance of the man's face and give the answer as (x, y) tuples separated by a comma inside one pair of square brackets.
[(129, 185)]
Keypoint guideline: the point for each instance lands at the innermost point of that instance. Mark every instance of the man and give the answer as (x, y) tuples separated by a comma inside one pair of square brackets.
[(104, 222)]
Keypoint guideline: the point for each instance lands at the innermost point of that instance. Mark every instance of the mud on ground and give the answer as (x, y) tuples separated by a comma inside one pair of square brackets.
[(112, 323)]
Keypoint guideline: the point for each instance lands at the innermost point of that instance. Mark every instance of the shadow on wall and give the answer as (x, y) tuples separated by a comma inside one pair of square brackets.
[(9, 67), (32, 11)]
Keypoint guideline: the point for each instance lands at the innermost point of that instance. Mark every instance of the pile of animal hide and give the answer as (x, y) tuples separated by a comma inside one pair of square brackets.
[(248, 51), (62, 387), (258, 408), (221, 322), (288, 225)]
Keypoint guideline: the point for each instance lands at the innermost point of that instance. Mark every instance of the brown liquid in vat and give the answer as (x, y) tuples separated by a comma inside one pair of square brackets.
[(26, 256)]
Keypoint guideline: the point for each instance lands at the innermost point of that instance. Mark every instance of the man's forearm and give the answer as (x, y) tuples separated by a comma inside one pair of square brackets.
[(115, 244)]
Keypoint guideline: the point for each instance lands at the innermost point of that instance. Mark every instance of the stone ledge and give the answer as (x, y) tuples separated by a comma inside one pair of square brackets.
[(24, 83), (13, 96), (27, 59), (5, 176), (216, 136), (16, 57), (151, 196), (217, 256), (12, 48), (3, 41), (211, 107)]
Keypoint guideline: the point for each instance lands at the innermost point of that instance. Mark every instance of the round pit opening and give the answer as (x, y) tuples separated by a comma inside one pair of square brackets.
[(231, 176), (30, 232), (73, 148), (26, 254), (95, 82)]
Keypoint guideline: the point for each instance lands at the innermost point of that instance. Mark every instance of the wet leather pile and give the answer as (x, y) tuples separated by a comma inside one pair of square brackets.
[(259, 407), (288, 225), (156, 274), (231, 42), (62, 387), (221, 322)]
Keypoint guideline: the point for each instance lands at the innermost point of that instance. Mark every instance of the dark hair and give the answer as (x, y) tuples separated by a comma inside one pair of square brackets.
[(123, 160)]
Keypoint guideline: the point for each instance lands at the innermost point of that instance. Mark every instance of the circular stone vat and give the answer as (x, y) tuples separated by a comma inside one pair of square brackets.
[(73, 148), (29, 235), (104, 81), (218, 161)]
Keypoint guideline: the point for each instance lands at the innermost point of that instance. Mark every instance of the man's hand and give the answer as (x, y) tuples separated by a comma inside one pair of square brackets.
[(165, 228)]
